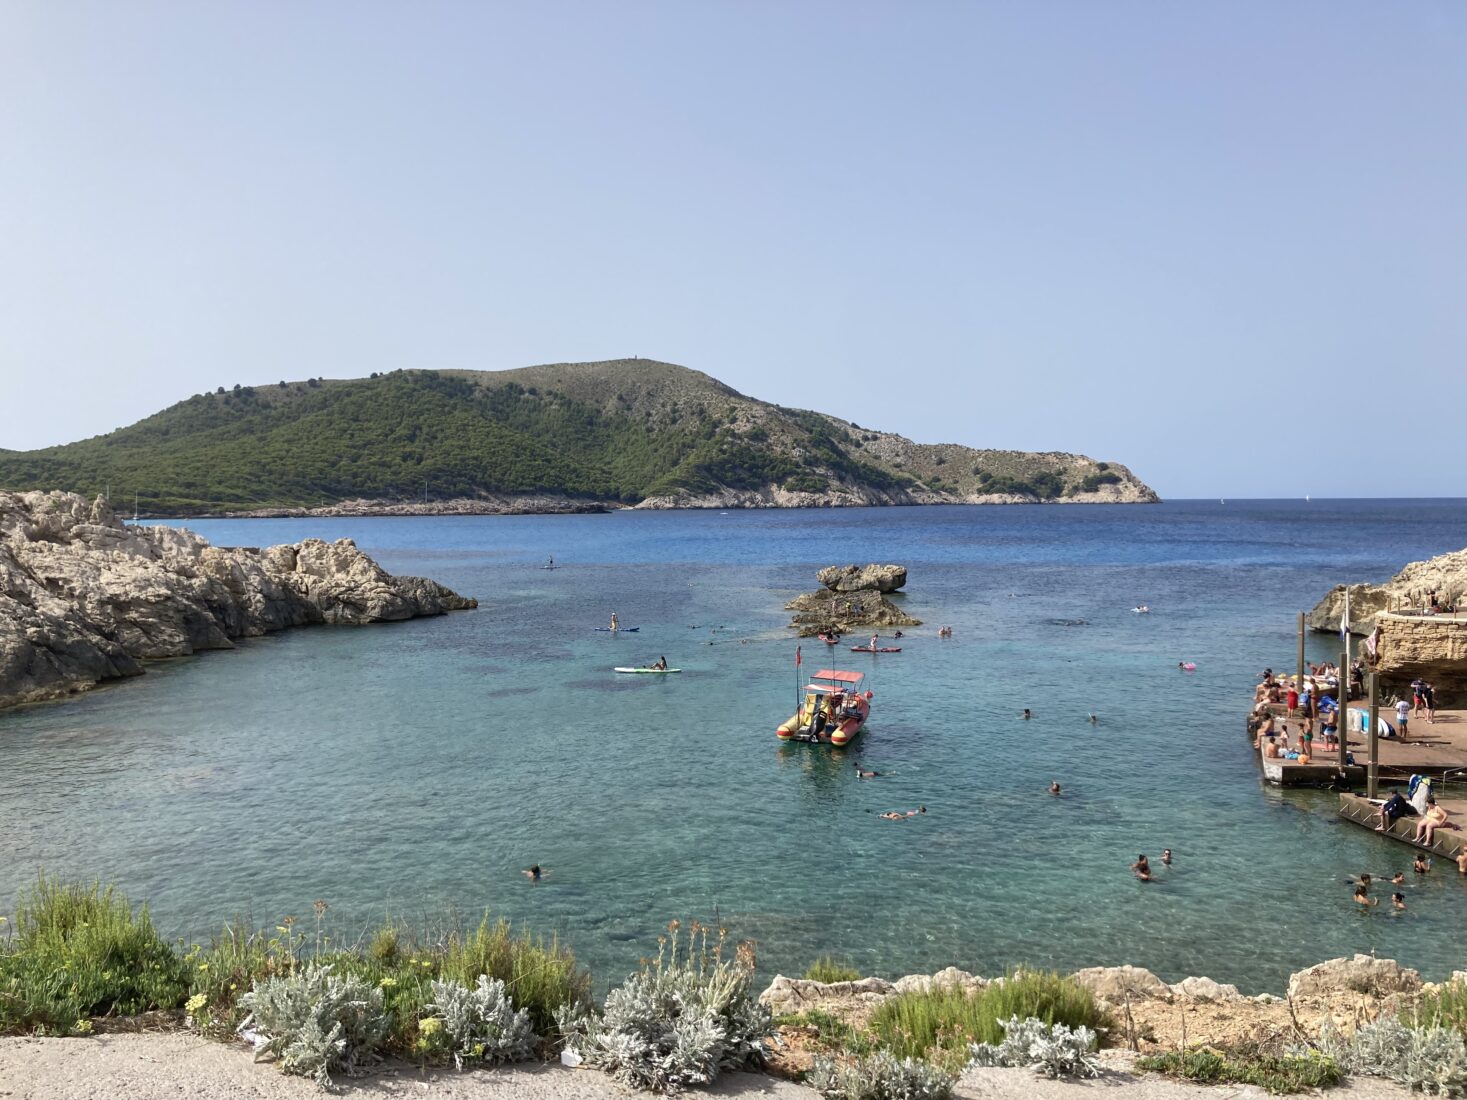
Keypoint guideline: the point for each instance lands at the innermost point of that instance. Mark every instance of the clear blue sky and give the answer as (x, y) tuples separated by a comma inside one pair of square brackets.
[(1225, 244)]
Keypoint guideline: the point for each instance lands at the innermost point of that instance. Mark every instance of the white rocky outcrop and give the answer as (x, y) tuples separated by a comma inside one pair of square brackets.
[(1361, 974), (85, 597)]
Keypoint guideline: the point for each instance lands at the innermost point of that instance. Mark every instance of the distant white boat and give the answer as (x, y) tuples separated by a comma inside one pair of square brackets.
[(1306, 500)]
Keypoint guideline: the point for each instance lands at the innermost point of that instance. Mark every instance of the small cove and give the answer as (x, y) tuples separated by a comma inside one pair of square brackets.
[(413, 769)]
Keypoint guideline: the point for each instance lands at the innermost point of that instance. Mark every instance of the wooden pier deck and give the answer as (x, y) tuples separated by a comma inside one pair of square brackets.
[(1436, 749), (1450, 839)]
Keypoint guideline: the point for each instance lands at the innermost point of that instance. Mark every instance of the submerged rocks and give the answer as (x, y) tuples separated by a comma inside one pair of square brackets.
[(85, 598)]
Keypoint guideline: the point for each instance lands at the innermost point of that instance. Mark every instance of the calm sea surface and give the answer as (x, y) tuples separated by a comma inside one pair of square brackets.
[(414, 769)]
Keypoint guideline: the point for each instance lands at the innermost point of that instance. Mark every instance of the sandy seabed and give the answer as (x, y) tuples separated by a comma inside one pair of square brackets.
[(166, 1066)]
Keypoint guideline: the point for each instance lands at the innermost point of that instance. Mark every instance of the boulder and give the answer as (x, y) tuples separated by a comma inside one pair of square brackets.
[(794, 994), (1113, 983), (860, 578), (1361, 974), (1205, 989), (85, 597)]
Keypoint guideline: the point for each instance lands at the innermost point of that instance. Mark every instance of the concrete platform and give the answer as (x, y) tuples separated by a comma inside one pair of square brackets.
[(1450, 839), (1437, 749)]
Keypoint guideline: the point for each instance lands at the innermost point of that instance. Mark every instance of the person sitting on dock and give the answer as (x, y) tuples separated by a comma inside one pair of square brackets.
[(1142, 868), (1394, 807), (1434, 818)]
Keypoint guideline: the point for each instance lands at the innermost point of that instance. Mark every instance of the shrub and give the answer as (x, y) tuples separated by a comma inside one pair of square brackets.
[(948, 1019), (479, 1024), (80, 951), (678, 1022), (1274, 1073), (829, 969), (879, 1076), (1053, 1049), (1445, 1006), (1432, 1059), (315, 1022), (541, 976), (234, 960)]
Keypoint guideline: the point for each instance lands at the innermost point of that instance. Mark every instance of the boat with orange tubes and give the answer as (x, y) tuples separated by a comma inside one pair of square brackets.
[(833, 711)]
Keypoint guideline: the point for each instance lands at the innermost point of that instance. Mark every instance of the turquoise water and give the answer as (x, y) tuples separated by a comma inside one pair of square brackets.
[(415, 768)]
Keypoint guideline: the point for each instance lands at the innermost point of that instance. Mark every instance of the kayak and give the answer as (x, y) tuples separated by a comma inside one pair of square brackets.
[(618, 630), (661, 671), (883, 649)]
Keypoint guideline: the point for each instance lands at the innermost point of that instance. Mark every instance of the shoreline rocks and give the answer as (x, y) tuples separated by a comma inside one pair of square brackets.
[(86, 598)]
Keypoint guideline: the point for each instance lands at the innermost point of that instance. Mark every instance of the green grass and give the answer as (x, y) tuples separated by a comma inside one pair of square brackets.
[(827, 968), (939, 1024), (1278, 1074), (1446, 1006), (82, 951), (76, 952)]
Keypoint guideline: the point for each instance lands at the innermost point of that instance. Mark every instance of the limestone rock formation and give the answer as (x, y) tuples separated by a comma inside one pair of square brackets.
[(1113, 984), (1407, 590), (858, 578), (1361, 974), (852, 601), (85, 597)]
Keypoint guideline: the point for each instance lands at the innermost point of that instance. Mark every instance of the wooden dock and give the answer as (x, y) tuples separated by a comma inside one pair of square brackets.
[(1436, 749), (1450, 839)]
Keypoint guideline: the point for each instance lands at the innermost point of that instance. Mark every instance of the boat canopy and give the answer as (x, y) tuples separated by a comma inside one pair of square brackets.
[(837, 674)]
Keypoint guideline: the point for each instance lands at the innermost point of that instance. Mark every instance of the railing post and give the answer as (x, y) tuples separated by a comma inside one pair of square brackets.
[(1371, 781)]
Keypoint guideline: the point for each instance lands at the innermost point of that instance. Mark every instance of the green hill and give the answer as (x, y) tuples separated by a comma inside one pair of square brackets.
[(624, 431)]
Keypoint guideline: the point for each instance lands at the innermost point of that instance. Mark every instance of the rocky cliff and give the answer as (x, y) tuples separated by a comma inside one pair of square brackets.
[(85, 597), (1408, 590)]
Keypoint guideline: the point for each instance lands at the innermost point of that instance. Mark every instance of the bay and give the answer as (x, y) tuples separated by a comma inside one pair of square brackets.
[(411, 770)]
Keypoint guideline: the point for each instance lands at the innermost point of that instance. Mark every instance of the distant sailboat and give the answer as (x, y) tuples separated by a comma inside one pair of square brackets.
[(134, 507), (1306, 499)]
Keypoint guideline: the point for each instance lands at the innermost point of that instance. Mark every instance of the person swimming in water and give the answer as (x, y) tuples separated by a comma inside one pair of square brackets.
[(1166, 856), (1421, 865), (1142, 868), (1398, 900), (1054, 787), (918, 810), (862, 773), (1094, 719), (1362, 896), (1398, 878), (892, 815), (535, 873), (1026, 714)]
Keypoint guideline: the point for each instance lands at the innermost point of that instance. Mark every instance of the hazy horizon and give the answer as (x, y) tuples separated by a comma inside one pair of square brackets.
[(1205, 243)]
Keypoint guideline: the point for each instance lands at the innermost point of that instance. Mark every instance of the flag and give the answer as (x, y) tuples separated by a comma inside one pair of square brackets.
[(1345, 618), (797, 656), (1372, 643)]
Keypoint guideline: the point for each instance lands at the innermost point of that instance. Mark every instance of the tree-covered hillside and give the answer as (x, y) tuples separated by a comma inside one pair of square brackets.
[(620, 431)]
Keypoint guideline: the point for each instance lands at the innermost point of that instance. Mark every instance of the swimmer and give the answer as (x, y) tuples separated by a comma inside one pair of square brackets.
[(862, 773), (1398, 900), (918, 810), (1094, 719), (892, 815), (1362, 896), (535, 873), (1462, 861), (898, 634), (1026, 713), (1054, 787), (1142, 868), (1421, 865), (1166, 856), (1398, 878)]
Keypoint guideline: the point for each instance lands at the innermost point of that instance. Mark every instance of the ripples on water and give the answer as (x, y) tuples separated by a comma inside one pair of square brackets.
[(413, 769)]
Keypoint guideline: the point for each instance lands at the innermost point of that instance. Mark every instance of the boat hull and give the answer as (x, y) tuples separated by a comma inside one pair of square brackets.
[(838, 729)]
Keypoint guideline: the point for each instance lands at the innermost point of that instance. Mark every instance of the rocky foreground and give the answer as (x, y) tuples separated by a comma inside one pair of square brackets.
[(86, 598)]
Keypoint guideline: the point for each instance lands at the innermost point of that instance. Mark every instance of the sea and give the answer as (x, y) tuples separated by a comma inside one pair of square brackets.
[(412, 771)]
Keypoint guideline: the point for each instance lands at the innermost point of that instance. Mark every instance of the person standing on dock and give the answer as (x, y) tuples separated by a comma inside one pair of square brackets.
[(1291, 699), (1403, 715)]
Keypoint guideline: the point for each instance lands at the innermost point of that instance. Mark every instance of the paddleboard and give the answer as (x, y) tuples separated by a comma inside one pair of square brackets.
[(868, 649), (659, 671), (618, 630)]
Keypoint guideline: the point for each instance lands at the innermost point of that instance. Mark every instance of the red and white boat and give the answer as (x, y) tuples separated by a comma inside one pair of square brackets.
[(833, 712)]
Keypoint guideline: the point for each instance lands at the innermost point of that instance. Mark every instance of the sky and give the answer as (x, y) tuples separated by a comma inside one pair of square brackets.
[(1224, 244)]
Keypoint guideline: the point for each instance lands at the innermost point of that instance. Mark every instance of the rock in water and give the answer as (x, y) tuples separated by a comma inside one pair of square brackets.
[(857, 578), (85, 598)]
